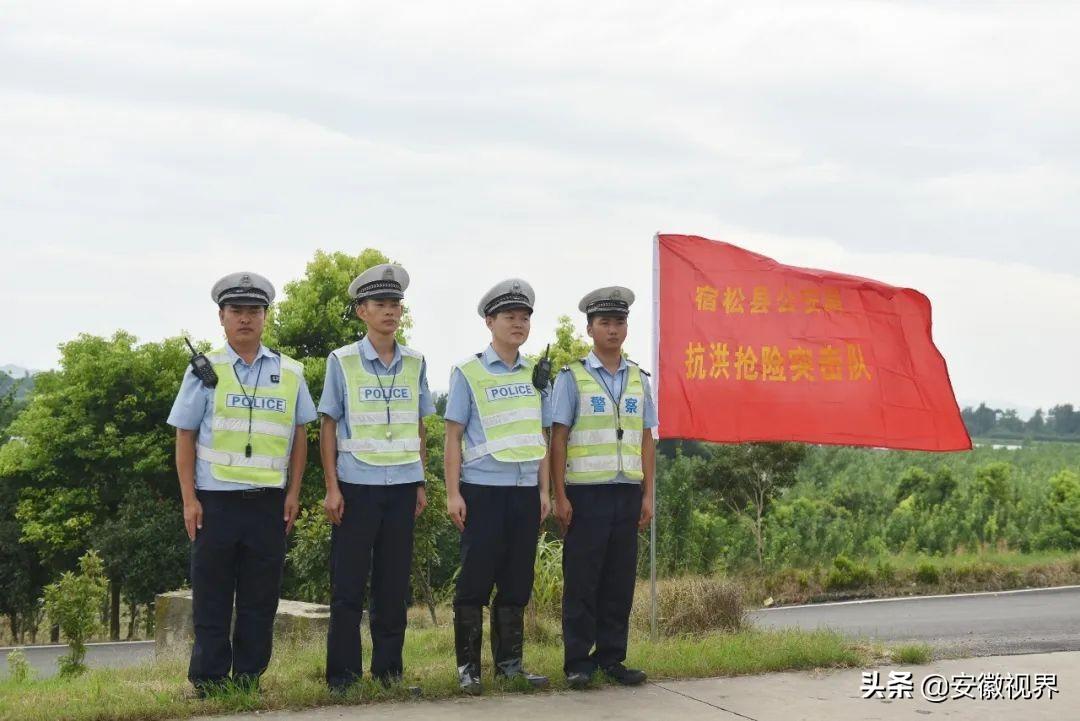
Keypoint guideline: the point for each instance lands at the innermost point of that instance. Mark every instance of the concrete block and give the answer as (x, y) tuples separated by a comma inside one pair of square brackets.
[(295, 620)]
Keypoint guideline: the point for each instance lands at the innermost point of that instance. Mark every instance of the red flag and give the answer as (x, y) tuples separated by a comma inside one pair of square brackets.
[(752, 350)]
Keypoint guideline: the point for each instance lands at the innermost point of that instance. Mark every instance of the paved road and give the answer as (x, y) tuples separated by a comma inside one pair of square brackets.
[(981, 624), (98, 655)]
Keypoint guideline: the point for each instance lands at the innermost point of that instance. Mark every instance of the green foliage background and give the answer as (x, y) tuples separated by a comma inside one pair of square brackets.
[(86, 462)]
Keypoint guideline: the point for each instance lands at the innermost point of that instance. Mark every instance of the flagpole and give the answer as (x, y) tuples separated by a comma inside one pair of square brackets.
[(656, 399)]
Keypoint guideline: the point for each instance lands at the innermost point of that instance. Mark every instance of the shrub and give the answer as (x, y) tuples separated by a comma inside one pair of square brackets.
[(19, 669), (74, 604), (846, 574), (927, 573), (309, 557), (691, 604), (885, 572)]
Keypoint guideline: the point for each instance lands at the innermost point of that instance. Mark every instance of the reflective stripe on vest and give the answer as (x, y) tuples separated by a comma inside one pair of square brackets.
[(509, 410), (371, 439), (273, 419), (594, 452)]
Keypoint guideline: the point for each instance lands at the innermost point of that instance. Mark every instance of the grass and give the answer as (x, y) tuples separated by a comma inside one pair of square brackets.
[(159, 690), (911, 575), (912, 653)]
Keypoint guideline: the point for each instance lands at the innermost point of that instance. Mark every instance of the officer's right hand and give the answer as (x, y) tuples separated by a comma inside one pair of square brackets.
[(334, 506), (563, 511), (192, 518), (455, 506)]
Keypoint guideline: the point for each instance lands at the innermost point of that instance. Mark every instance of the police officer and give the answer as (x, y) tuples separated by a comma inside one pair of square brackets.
[(372, 446), (497, 486), (239, 436), (602, 458)]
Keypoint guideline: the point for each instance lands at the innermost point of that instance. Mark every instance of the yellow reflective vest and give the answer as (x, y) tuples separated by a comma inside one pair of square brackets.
[(384, 413), (272, 416), (510, 413), (595, 452)]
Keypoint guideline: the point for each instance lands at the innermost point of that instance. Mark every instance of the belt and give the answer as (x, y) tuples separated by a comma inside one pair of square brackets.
[(245, 494)]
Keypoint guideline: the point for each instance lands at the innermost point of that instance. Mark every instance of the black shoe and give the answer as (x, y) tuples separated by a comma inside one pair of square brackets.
[(579, 680), (468, 636), (625, 676), (468, 683), (507, 645)]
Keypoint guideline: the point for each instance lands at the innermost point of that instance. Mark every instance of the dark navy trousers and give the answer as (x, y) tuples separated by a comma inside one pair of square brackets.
[(599, 573), (238, 555), (374, 540), (498, 545)]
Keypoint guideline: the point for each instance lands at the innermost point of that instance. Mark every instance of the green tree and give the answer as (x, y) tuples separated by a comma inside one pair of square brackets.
[(22, 576), (11, 404), (145, 548), (1064, 510), (569, 345), (74, 604), (93, 430), (747, 477)]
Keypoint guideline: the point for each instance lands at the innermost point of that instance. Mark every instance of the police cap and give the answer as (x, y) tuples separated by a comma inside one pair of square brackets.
[(243, 288), (614, 300), (386, 280), (506, 295)]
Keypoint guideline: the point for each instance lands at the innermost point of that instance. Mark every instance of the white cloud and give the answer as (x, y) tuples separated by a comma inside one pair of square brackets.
[(147, 149)]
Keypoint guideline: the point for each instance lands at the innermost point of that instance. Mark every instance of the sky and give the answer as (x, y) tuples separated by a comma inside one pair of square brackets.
[(148, 149)]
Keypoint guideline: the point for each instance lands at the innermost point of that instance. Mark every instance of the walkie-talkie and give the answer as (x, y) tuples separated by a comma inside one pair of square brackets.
[(202, 367), (541, 376)]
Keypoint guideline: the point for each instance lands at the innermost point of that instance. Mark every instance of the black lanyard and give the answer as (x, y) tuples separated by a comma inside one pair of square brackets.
[(616, 401), (386, 392), (250, 400)]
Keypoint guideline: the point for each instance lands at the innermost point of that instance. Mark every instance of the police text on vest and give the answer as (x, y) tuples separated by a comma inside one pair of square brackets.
[(258, 403), (510, 390), (374, 393)]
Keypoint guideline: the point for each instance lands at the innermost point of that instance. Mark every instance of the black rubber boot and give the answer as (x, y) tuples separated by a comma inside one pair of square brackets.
[(508, 642), (468, 636)]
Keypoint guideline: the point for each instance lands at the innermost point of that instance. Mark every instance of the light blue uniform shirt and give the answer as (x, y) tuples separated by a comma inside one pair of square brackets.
[(332, 404), (194, 409), (461, 408), (565, 396)]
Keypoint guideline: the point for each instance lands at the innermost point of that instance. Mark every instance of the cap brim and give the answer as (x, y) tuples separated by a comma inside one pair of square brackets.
[(382, 295), (243, 300), (509, 305)]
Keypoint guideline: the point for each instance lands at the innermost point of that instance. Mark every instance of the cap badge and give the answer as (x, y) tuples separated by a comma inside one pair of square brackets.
[(388, 274)]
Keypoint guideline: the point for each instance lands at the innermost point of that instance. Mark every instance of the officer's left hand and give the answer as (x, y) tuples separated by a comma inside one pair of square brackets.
[(292, 509), (545, 507), (421, 500), (646, 511)]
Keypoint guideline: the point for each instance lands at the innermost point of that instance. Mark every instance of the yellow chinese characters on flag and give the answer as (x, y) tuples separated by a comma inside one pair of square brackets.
[(752, 350)]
